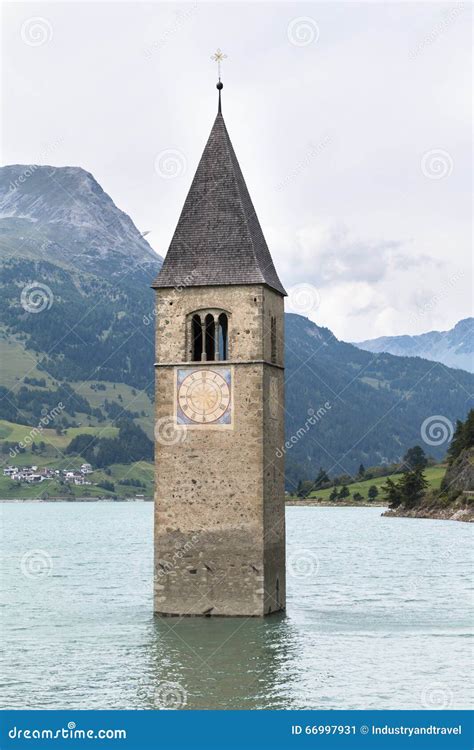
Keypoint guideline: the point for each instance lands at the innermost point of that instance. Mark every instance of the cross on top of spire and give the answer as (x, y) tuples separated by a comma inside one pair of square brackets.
[(218, 56)]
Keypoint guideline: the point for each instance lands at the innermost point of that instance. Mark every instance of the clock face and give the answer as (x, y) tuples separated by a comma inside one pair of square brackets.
[(204, 397)]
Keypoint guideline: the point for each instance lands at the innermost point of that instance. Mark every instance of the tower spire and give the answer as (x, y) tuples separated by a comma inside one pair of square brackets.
[(218, 56), (218, 239)]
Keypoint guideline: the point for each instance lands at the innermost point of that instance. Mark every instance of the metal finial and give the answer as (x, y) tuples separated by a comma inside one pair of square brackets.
[(218, 57)]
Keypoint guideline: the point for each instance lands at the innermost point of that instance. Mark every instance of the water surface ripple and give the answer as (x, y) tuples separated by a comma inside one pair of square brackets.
[(378, 617)]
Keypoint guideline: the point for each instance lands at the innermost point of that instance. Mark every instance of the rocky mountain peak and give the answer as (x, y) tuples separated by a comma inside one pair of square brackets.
[(454, 348), (65, 211)]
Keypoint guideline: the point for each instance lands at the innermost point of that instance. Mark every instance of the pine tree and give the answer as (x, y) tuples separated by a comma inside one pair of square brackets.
[(463, 437), (392, 493), (457, 443), (415, 458), (372, 492), (361, 471), (304, 488), (321, 479), (469, 430), (413, 486)]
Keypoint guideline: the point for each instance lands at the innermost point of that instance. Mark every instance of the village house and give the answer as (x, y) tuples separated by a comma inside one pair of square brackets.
[(33, 478), (75, 477), (35, 475)]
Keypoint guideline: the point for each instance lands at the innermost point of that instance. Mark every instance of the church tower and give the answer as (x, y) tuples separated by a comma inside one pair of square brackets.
[(219, 477)]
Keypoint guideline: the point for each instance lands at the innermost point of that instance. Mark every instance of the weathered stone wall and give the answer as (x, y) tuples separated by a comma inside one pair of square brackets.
[(273, 458), (273, 306), (274, 492), (219, 497)]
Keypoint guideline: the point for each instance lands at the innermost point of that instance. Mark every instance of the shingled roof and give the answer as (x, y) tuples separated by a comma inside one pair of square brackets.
[(218, 239)]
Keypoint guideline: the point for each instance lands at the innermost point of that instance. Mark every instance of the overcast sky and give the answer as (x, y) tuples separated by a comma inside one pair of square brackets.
[(351, 123)]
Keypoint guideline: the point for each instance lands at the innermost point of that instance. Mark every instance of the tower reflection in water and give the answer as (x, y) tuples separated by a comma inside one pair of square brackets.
[(219, 663)]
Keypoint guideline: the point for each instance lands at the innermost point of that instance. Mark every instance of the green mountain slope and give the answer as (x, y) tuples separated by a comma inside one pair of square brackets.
[(378, 402), (89, 328), (68, 251)]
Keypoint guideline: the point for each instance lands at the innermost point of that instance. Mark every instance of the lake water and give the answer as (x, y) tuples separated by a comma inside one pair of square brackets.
[(378, 617)]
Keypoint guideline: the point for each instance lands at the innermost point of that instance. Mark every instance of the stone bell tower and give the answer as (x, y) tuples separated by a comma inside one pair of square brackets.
[(219, 497)]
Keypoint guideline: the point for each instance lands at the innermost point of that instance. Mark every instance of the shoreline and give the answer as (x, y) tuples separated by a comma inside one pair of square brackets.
[(39, 500), (291, 502), (464, 513), (329, 504)]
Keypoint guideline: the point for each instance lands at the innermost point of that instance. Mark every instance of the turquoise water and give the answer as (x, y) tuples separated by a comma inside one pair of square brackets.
[(378, 617)]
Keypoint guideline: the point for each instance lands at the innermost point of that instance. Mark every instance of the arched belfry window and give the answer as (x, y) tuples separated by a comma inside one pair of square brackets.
[(210, 338), (223, 341), (196, 338), (208, 332)]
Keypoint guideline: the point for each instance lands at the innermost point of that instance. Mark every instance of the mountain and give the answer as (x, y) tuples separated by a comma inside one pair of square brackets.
[(65, 246), (62, 215), (454, 348), (91, 347), (378, 403)]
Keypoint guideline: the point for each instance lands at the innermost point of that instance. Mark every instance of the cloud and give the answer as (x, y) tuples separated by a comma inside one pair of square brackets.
[(364, 287), (336, 130), (328, 253)]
